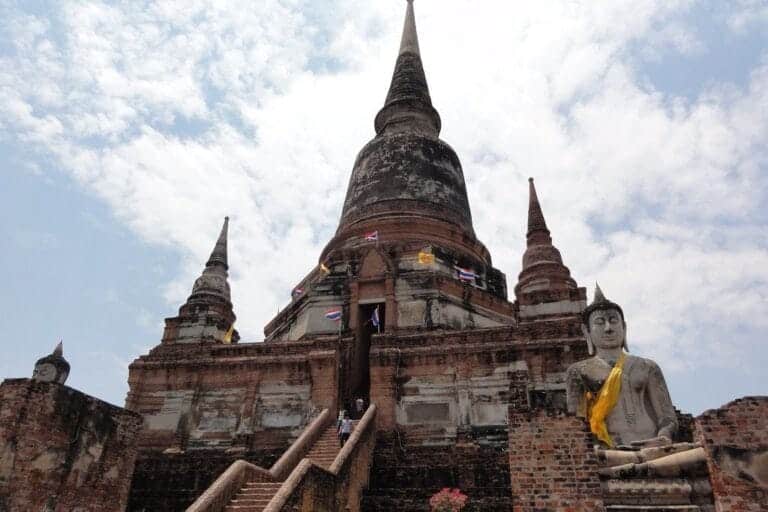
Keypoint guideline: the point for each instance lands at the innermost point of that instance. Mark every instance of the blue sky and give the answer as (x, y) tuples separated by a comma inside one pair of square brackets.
[(127, 132)]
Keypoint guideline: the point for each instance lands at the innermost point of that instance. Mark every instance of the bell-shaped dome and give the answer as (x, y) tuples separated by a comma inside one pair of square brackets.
[(406, 174)]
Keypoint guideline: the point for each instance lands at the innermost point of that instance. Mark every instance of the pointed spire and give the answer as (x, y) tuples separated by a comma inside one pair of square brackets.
[(536, 220), (213, 280), (219, 254), (59, 350), (410, 39), (543, 268), (408, 106)]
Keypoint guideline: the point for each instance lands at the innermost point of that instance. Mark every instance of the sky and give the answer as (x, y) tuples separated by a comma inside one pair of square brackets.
[(128, 130)]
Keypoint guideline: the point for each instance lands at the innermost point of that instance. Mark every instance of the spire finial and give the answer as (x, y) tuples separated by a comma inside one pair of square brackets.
[(219, 254), (536, 220), (599, 295), (59, 350), (410, 39), (408, 107)]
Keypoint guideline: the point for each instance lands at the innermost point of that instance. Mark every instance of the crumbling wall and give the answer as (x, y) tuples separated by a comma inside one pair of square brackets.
[(735, 439), (437, 385), (244, 396), (63, 449), (552, 463)]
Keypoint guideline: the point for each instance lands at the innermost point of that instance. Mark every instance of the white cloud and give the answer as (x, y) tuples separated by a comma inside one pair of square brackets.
[(747, 13), (183, 112)]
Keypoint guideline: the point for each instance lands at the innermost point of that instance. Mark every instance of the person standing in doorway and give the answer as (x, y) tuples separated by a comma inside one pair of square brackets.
[(359, 407), (345, 429)]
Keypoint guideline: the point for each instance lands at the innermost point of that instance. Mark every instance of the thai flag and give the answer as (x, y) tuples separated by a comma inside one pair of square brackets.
[(465, 274), (334, 314), (375, 320), (371, 236)]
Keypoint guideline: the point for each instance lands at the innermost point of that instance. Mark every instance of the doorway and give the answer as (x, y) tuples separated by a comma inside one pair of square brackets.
[(369, 316)]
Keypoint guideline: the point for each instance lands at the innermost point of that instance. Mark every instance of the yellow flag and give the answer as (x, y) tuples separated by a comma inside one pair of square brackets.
[(607, 398), (426, 258), (228, 335), (324, 268)]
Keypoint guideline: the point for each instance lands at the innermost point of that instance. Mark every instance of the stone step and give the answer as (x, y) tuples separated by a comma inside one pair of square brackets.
[(256, 493), (251, 502), (253, 497), (261, 485)]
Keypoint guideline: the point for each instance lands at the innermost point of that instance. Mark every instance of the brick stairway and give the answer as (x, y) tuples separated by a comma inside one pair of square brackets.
[(254, 496), (405, 474), (689, 491), (325, 449)]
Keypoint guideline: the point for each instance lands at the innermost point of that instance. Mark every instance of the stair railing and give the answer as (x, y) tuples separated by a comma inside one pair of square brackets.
[(348, 474), (293, 455), (226, 486)]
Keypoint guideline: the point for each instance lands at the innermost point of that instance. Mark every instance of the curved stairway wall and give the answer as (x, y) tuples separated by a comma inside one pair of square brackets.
[(314, 474), (240, 472), (340, 487)]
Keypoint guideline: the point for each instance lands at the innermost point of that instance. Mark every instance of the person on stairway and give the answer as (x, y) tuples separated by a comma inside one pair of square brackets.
[(345, 429)]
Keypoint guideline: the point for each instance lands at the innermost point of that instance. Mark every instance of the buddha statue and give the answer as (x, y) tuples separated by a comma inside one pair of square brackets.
[(626, 402), (623, 396), (52, 368)]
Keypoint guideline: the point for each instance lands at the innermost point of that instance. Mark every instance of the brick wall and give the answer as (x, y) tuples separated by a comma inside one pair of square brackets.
[(404, 475), (247, 396), (552, 463), (735, 438), (171, 482), (63, 449)]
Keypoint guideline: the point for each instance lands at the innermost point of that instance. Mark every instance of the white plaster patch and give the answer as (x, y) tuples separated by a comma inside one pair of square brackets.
[(217, 412), (175, 403), (553, 308), (282, 405), (480, 400)]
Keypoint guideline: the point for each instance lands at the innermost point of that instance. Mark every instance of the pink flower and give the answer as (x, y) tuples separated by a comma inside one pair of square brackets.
[(448, 500)]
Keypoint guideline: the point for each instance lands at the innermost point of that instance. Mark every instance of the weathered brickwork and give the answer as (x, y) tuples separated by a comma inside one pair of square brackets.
[(171, 482), (552, 463), (439, 383), (735, 438), (62, 449), (252, 396), (405, 475)]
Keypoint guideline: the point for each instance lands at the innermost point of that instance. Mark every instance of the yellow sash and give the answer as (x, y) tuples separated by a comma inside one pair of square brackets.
[(599, 408)]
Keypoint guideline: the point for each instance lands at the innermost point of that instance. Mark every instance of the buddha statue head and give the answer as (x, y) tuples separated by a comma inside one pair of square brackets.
[(603, 324), (53, 367)]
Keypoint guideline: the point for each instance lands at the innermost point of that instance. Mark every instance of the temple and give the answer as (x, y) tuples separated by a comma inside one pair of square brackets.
[(405, 324)]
